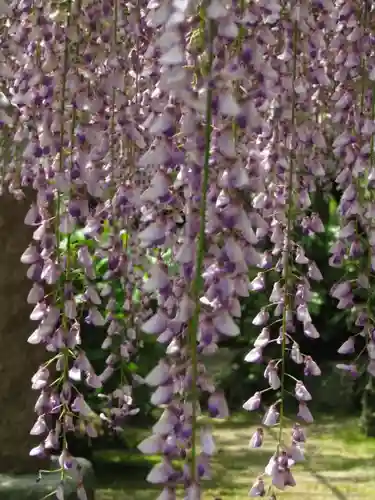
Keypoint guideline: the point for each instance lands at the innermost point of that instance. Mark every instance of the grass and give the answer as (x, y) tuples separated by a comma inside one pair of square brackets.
[(339, 465)]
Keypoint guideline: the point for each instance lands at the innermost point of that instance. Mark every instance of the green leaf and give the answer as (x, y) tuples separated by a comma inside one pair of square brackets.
[(102, 266), (132, 367), (136, 296)]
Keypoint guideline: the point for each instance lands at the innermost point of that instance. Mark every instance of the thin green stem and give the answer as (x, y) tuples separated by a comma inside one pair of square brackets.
[(372, 142), (62, 124), (363, 61), (289, 229), (368, 389), (58, 202), (362, 95), (238, 46), (363, 191), (371, 199), (197, 284), (72, 145), (115, 223)]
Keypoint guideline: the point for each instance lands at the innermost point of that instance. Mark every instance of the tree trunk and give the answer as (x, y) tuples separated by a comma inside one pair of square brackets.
[(18, 359)]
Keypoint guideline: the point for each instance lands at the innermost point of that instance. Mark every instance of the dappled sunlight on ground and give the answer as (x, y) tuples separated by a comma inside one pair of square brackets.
[(336, 468)]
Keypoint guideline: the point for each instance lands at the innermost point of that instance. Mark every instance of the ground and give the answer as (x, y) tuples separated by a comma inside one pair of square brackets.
[(339, 465)]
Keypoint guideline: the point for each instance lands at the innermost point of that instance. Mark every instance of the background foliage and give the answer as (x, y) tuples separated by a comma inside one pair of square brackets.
[(334, 393)]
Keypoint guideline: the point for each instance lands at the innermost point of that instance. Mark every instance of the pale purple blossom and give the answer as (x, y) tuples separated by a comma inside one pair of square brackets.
[(193, 183)]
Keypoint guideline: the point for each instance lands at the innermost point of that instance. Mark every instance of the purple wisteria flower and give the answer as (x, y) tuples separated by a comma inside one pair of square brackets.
[(174, 151)]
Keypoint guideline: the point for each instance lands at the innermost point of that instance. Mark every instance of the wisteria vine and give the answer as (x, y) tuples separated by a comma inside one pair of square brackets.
[(202, 129)]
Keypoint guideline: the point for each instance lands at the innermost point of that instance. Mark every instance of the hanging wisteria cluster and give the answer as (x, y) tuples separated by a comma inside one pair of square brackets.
[(202, 129)]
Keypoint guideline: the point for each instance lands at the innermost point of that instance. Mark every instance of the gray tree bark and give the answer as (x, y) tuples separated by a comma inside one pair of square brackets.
[(18, 359)]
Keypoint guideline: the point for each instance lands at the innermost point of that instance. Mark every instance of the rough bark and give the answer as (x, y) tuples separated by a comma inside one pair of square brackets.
[(18, 360)]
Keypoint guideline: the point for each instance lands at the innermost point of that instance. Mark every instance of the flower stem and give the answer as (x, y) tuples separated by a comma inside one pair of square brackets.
[(365, 417), (65, 350), (238, 46), (197, 284), (287, 269)]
